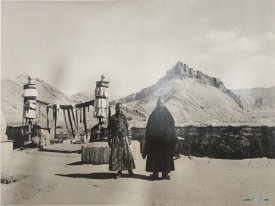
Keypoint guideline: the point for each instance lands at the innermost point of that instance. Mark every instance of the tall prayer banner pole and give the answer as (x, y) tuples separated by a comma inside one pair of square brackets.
[(54, 120), (29, 94), (101, 104)]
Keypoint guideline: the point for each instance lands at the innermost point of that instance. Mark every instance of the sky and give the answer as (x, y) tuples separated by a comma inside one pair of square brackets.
[(133, 43)]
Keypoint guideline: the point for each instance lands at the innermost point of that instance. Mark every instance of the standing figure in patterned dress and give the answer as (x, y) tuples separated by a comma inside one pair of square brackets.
[(119, 139)]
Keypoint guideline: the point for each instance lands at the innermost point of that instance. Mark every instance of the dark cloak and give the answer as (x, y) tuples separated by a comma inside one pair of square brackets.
[(160, 141)]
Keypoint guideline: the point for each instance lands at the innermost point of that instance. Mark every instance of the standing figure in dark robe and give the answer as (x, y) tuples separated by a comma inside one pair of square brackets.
[(160, 142), (119, 139)]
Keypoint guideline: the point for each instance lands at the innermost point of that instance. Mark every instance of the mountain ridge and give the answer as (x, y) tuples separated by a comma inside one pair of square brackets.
[(192, 97), (252, 98), (182, 71)]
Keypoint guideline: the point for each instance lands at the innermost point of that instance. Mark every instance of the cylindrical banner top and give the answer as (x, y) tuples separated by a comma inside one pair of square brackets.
[(30, 93), (30, 89), (102, 88)]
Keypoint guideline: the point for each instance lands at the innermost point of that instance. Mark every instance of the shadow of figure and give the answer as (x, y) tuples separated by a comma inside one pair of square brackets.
[(59, 151), (76, 163), (138, 176), (103, 175), (97, 175)]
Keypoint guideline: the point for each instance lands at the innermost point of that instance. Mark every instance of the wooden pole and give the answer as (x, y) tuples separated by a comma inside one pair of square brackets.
[(77, 123), (54, 121), (30, 130), (85, 123), (99, 127), (70, 120)]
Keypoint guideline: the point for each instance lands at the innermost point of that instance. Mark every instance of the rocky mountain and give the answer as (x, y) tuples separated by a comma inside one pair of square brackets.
[(182, 71), (192, 97)]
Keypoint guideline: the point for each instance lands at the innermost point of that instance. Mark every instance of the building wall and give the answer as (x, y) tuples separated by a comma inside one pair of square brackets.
[(15, 133), (40, 136), (222, 142)]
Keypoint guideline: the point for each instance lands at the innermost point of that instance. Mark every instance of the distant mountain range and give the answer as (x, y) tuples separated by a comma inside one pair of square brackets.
[(192, 97), (257, 99), (258, 102)]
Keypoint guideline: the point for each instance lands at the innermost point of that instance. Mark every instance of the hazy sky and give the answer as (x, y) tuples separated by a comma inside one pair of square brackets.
[(134, 43)]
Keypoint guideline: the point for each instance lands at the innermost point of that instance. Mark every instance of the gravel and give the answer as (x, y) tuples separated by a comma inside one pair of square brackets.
[(22, 186)]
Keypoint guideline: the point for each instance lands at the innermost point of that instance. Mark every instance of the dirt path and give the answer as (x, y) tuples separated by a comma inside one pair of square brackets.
[(63, 180)]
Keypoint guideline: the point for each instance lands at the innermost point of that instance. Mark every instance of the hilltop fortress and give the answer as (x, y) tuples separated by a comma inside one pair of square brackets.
[(181, 71)]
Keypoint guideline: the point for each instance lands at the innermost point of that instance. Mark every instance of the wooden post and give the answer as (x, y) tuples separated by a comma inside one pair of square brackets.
[(70, 120), (30, 130), (54, 121), (99, 127), (85, 124)]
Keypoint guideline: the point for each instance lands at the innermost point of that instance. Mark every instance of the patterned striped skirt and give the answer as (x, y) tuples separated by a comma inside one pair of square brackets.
[(121, 157)]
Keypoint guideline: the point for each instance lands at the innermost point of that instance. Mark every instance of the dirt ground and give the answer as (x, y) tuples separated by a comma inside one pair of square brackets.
[(47, 178)]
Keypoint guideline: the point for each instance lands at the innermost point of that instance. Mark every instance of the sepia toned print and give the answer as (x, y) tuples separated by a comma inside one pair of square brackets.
[(138, 102)]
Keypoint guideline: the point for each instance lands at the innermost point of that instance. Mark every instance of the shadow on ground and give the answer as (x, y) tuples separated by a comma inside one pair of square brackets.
[(59, 151), (76, 163), (103, 175)]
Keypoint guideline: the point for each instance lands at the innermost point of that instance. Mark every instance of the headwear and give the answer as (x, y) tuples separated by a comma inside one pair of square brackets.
[(119, 103), (160, 99)]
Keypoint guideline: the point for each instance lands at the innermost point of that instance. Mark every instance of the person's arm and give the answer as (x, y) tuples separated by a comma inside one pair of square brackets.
[(172, 131), (129, 133), (110, 128), (145, 152), (148, 133)]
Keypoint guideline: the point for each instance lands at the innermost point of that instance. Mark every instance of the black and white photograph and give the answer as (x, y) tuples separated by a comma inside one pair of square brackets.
[(135, 102)]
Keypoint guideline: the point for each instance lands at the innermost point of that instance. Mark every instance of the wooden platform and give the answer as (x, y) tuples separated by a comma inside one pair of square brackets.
[(98, 153)]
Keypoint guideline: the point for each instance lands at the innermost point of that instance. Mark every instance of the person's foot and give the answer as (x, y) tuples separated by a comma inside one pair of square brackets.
[(117, 176), (154, 176), (131, 174), (166, 177)]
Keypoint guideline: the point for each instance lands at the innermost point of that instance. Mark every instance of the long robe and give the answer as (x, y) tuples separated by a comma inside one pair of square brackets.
[(160, 141), (121, 157)]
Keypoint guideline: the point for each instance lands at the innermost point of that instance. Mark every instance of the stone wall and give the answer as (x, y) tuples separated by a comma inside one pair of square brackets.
[(41, 137), (15, 133), (222, 142)]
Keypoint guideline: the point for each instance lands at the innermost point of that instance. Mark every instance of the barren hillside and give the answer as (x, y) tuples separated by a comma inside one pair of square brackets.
[(257, 99), (12, 101), (193, 98)]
